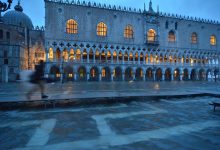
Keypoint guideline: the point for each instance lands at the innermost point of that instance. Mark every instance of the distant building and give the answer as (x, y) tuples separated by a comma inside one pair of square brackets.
[(21, 46), (98, 42)]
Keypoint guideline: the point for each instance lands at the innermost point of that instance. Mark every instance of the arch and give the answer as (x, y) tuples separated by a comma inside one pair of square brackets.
[(109, 55), (168, 74), (102, 29), (128, 74), (68, 73), (78, 55), (94, 74), (97, 55), (84, 55), (149, 74), (151, 35), (193, 75), (131, 58), (126, 56), (136, 56), (103, 56), (185, 75), (71, 55), (55, 73), (82, 74), (141, 58), (159, 74), (50, 54), (129, 32), (58, 54), (171, 36), (106, 74), (117, 74), (65, 55), (114, 57), (213, 40), (91, 55), (120, 56), (194, 38), (202, 75), (139, 74), (176, 75), (71, 27)]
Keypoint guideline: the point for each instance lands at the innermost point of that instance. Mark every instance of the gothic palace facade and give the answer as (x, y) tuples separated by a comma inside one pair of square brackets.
[(95, 42)]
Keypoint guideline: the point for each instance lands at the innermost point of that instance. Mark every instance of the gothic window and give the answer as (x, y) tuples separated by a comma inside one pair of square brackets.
[(172, 37), (128, 32), (151, 35), (176, 26), (212, 40), (167, 25), (102, 29), (1, 34), (71, 27), (194, 38), (50, 55)]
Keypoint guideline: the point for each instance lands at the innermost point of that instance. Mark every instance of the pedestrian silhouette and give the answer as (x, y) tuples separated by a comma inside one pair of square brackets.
[(37, 78)]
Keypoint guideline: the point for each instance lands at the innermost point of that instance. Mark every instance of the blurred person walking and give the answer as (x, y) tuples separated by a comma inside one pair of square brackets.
[(37, 78)]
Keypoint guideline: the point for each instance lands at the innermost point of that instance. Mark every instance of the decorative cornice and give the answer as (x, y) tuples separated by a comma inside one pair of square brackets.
[(133, 10)]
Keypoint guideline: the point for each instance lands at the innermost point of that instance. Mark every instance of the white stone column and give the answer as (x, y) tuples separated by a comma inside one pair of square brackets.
[(144, 77), (75, 77), (189, 76), (87, 58), (100, 77), (181, 77), (5, 73), (123, 76), (172, 77), (93, 58), (163, 77), (112, 77), (87, 76)]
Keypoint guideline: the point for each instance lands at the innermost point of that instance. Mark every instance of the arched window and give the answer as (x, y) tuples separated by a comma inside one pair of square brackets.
[(194, 39), (172, 37), (128, 32), (176, 26), (212, 40), (50, 56), (151, 35), (102, 29), (71, 27)]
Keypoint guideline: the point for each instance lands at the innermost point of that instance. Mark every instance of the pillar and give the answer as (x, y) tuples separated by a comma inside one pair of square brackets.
[(144, 77), (100, 77), (123, 76), (87, 58), (154, 75), (112, 77), (5, 73), (163, 77), (172, 77), (74, 77), (181, 77), (189, 77), (87, 76)]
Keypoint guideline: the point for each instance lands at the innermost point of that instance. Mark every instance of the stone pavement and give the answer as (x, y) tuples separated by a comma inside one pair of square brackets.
[(180, 124), (82, 91)]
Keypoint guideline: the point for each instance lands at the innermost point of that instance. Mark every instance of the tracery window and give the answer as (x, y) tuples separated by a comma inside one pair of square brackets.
[(129, 32), (151, 35), (71, 27), (194, 38), (212, 40), (172, 37), (102, 29)]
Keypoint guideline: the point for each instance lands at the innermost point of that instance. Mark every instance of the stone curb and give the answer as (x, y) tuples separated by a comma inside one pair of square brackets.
[(77, 102)]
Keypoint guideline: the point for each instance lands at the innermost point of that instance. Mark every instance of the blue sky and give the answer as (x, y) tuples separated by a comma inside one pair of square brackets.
[(207, 9)]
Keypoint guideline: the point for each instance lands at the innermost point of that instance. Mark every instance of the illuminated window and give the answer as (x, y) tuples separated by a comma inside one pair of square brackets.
[(50, 56), (172, 37), (128, 32), (71, 27), (212, 40), (151, 35), (58, 75), (103, 73), (194, 38), (101, 29), (70, 75)]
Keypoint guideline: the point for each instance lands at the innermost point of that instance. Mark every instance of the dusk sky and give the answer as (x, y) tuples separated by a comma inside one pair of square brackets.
[(207, 9)]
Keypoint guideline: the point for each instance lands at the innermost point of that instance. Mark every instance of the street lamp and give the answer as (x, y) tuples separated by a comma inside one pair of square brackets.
[(4, 6)]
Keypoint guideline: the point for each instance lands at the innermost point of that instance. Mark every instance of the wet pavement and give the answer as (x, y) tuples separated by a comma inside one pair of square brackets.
[(83, 90), (186, 123)]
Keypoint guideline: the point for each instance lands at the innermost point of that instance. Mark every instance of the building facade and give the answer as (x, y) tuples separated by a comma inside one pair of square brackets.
[(95, 42), (21, 45)]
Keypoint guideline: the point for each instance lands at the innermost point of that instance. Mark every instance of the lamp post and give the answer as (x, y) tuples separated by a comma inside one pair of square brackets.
[(4, 6)]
